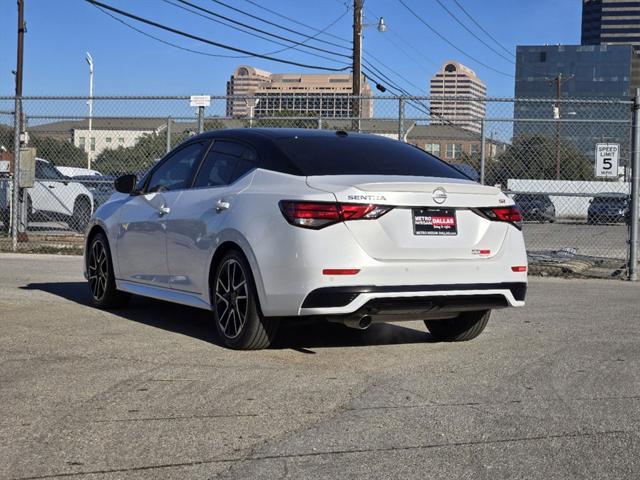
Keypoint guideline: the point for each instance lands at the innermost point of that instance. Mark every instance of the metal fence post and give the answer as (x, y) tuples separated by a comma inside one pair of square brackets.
[(200, 119), (483, 149), (15, 210), (635, 184), (401, 104), (168, 134)]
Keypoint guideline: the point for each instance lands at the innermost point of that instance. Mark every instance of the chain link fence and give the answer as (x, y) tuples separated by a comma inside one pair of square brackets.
[(539, 151)]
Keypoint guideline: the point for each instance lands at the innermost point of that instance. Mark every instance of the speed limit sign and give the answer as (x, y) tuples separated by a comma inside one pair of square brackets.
[(607, 156)]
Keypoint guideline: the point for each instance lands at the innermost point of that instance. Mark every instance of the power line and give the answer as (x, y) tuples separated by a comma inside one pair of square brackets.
[(274, 35), (368, 54), (524, 67), (171, 44), (297, 22), (376, 74), (268, 22), (211, 42), (445, 39), (481, 28), (394, 89), (181, 47), (391, 71), (421, 107), (262, 37), (452, 15)]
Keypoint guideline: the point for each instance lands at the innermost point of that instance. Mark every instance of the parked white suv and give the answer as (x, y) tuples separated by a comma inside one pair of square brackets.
[(54, 194)]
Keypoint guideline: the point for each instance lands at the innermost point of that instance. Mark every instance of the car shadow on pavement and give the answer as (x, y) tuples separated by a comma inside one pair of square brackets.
[(296, 335)]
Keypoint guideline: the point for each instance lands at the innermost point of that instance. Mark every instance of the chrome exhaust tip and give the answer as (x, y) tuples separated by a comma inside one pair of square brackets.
[(364, 322), (361, 323)]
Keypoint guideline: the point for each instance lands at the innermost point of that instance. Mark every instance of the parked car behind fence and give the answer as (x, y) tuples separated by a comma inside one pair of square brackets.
[(536, 206)]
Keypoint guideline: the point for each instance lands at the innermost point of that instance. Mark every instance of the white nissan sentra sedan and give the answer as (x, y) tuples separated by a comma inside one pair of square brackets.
[(260, 224)]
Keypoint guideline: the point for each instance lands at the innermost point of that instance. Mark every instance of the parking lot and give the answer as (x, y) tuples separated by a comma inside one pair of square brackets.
[(548, 391)]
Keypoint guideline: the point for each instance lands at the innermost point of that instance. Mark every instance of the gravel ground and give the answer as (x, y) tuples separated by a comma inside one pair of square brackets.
[(548, 391)]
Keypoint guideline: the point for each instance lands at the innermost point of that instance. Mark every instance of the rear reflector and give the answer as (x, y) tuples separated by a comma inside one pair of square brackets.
[(340, 271), (519, 268), (318, 215), (510, 215)]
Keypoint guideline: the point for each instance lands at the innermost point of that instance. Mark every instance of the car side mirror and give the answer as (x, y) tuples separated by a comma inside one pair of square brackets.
[(126, 183)]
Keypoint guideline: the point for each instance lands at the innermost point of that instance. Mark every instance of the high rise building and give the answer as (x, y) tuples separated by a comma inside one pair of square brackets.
[(611, 22), (588, 72), (262, 94), (457, 80)]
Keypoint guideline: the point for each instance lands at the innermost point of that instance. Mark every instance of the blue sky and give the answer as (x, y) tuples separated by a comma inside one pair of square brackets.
[(128, 63)]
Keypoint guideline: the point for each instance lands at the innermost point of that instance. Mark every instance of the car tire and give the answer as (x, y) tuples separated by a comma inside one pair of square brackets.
[(81, 214), (464, 327), (30, 213), (102, 281), (236, 310), (4, 218)]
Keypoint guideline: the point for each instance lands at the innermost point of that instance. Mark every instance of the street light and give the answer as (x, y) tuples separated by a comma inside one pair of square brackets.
[(89, 60), (252, 108)]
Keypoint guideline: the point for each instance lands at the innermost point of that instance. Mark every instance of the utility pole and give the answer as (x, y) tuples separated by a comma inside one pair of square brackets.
[(89, 59), (21, 29), (18, 194), (357, 62), (558, 80)]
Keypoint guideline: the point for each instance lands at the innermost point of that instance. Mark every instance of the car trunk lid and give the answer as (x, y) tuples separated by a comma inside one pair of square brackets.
[(433, 218)]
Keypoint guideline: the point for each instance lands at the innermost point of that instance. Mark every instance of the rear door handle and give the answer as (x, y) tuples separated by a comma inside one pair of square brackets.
[(222, 205), (163, 210), (51, 186)]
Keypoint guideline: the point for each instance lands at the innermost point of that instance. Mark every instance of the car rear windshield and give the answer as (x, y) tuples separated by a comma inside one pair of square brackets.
[(361, 156)]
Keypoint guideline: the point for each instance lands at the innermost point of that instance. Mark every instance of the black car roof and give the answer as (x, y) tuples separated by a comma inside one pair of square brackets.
[(275, 133)]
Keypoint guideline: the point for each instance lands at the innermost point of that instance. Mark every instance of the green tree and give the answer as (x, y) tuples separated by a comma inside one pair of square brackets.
[(137, 158), (288, 119), (64, 154), (535, 157), (59, 152), (213, 124)]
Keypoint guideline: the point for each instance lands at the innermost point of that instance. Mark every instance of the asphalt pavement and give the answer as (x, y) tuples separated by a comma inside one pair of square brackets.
[(549, 391)]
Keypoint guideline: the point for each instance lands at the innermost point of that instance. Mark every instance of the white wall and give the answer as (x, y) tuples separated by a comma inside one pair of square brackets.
[(117, 138), (568, 205)]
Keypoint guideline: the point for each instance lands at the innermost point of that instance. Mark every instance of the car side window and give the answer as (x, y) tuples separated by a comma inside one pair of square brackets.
[(46, 171), (225, 163), (176, 172)]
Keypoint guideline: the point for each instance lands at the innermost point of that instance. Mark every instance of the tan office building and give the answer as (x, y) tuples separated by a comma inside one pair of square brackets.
[(260, 93), (456, 80)]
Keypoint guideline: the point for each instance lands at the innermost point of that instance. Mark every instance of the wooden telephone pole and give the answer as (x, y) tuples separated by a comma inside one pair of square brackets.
[(357, 62), (18, 212), (558, 80)]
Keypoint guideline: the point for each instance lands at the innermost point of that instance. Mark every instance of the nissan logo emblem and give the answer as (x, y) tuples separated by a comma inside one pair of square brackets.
[(439, 195)]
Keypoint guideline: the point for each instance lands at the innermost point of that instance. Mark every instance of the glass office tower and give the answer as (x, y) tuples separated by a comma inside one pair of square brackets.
[(611, 22), (585, 72)]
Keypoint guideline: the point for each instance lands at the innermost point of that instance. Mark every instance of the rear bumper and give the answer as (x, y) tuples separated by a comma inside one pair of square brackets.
[(431, 299)]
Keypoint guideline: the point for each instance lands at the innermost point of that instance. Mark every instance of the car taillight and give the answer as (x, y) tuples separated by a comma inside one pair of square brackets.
[(510, 215), (322, 214)]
